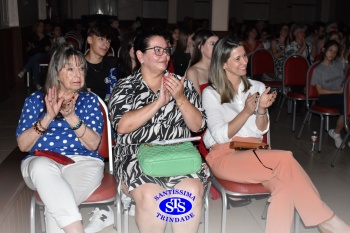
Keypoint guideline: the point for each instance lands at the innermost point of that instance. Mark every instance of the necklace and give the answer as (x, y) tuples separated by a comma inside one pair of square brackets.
[(97, 71)]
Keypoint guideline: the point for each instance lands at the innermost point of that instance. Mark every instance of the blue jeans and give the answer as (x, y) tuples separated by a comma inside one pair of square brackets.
[(33, 65)]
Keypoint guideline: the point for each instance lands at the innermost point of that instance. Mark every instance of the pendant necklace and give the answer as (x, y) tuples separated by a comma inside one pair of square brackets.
[(97, 71)]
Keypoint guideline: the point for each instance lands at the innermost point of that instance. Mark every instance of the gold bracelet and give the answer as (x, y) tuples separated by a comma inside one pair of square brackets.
[(82, 135), (179, 105)]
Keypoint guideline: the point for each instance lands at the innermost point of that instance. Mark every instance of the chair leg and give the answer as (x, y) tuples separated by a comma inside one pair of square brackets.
[(303, 124), (42, 219), (326, 123), (280, 108), (126, 201), (32, 215), (340, 148), (296, 222), (294, 114), (28, 79), (118, 220), (206, 209), (224, 212), (264, 213), (321, 134)]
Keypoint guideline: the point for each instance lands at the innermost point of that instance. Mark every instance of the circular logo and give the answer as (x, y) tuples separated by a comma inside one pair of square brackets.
[(175, 205)]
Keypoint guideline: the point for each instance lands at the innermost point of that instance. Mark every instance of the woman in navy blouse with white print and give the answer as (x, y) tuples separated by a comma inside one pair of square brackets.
[(62, 118)]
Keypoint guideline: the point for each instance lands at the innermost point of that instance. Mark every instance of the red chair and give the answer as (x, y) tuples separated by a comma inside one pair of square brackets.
[(295, 70), (238, 190), (74, 41), (262, 62), (314, 108), (106, 193), (347, 115)]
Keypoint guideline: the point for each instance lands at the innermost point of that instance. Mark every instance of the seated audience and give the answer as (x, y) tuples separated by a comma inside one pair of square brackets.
[(63, 118), (182, 55), (37, 51), (329, 78), (278, 46), (101, 69), (236, 108), (145, 107)]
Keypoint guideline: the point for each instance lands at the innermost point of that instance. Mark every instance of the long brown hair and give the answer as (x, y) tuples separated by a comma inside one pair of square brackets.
[(217, 75)]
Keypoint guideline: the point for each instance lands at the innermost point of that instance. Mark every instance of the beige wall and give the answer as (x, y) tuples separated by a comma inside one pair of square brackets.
[(129, 9), (280, 10)]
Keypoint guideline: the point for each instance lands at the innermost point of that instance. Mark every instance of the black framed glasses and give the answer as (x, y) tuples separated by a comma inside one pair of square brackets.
[(159, 51)]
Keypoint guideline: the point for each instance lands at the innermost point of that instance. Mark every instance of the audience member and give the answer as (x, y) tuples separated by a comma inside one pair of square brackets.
[(331, 26), (145, 107), (57, 39), (101, 73), (265, 38), (237, 111), (175, 36), (250, 43), (278, 46), (65, 119), (198, 73), (136, 24), (329, 78), (182, 55), (37, 51), (299, 45), (168, 38), (115, 34), (318, 32), (127, 63)]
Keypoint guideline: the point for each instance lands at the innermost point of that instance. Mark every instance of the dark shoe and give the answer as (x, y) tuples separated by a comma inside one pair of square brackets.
[(238, 203)]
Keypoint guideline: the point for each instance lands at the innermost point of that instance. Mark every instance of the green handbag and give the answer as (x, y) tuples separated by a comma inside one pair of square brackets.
[(169, 160)]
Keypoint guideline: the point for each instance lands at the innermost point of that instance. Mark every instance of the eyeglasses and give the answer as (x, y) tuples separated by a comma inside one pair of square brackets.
[(159, 51)]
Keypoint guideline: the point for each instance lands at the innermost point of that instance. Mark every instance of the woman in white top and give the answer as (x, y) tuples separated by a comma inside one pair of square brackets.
[(237, 111)]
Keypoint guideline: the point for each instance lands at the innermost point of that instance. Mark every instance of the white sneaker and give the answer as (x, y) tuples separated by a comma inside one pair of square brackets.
[(21, 74), (336, 136), (99, 220), (132, 210)]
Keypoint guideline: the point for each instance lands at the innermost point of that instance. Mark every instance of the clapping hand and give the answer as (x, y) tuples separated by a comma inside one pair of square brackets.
[(267, 99), (53, 103), (251, 103), (175, 86)]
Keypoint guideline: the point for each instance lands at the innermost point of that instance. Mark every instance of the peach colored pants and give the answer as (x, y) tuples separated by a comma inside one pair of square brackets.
[(288, 183)]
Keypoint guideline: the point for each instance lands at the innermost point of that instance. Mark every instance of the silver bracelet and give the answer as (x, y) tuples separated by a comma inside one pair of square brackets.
[(259, 114)]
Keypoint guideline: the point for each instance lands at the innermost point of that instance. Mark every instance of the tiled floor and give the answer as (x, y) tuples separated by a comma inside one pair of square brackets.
[(332, 183)]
